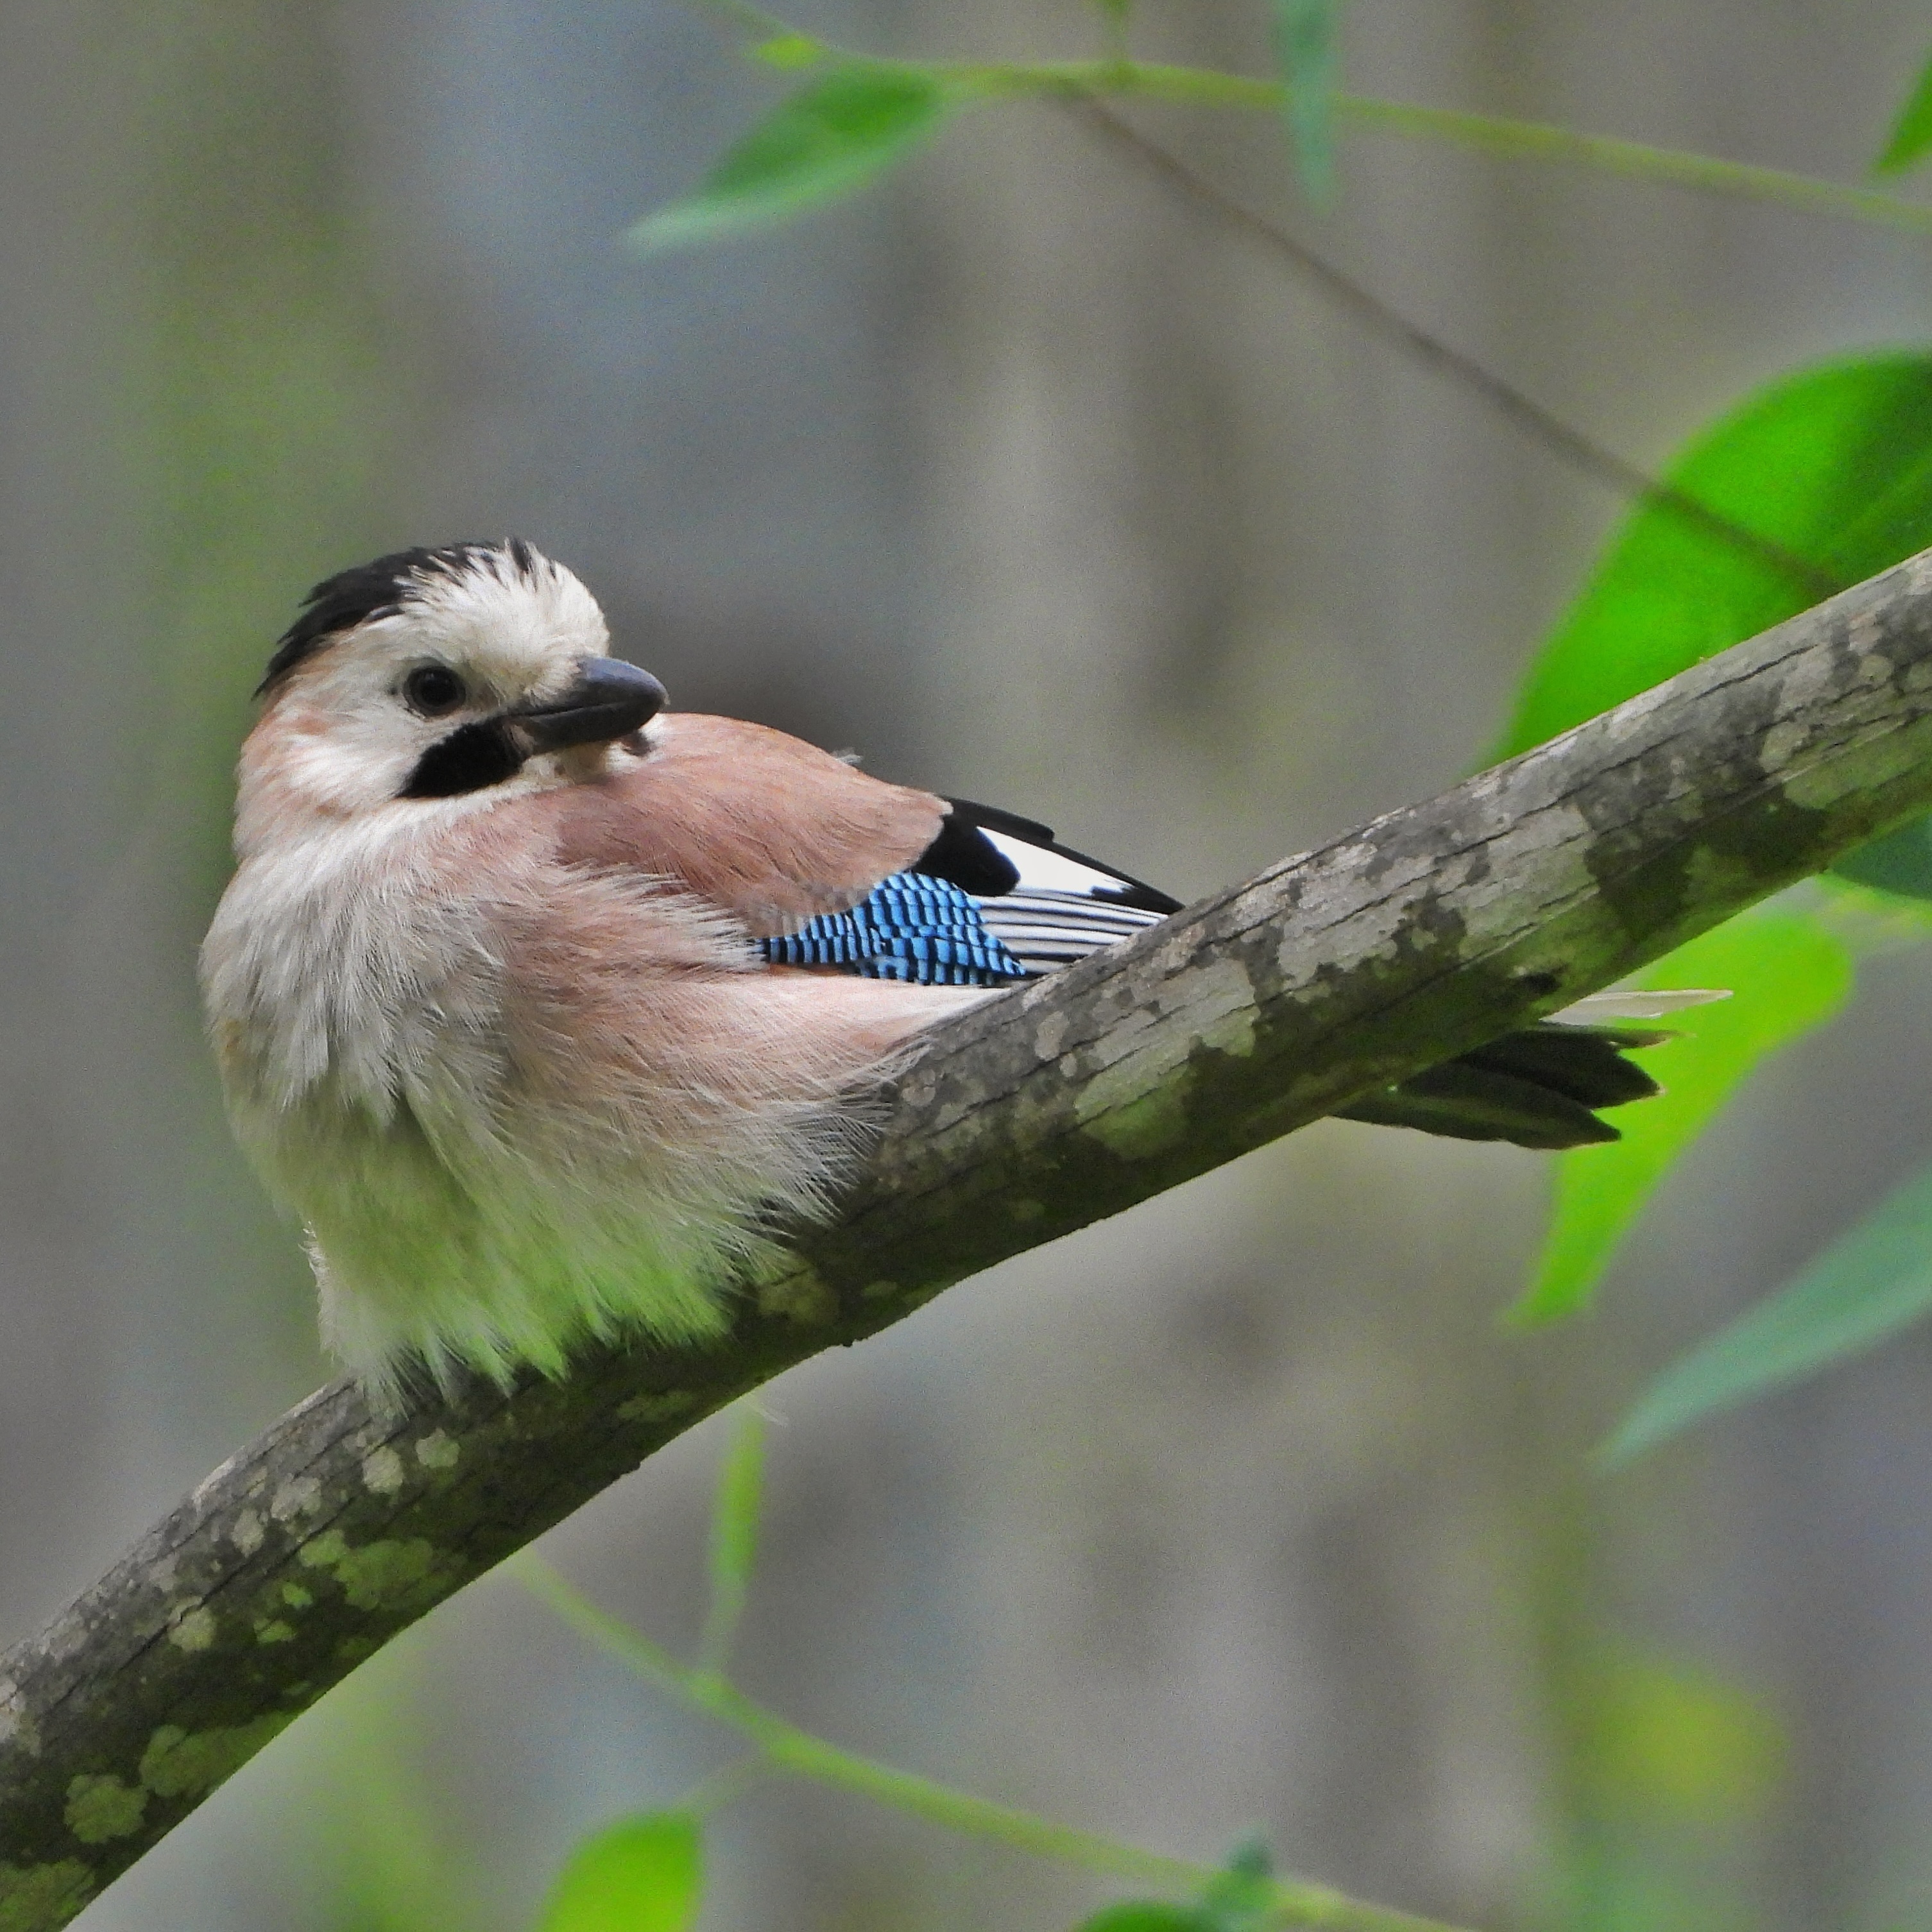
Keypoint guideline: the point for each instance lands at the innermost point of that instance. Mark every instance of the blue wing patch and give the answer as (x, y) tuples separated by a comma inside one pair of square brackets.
[(912, 927)]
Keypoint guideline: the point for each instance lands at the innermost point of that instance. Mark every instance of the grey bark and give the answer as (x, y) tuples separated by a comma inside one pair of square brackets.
[(1417, 937)]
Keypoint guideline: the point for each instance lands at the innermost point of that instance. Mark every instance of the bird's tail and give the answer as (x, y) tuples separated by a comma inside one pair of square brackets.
[(1540, 1087)]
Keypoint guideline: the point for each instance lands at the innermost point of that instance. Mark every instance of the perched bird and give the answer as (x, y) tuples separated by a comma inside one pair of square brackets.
[(543, 1006)]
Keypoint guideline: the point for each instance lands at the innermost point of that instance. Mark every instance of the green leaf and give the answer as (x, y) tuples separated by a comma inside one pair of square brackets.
[(1912, 133), (734, 1535), (1785, 976), (1832, 465), (1900, 862), (826, 140), (1115, 15), (1672, 1742), (1307, 49), (1239, 1898), (789, 52), (643, 1874), (1870, 1283), (1148, 1915)]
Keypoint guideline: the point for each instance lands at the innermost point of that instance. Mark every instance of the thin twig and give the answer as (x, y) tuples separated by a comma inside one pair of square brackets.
[(785, 1747), (1634, 160), (1583, 452)]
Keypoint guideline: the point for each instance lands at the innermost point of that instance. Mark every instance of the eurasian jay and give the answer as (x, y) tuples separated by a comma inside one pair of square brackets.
[(544, 1007)]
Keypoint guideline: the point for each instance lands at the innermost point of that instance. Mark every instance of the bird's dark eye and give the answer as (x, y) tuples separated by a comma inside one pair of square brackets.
[(433, 689)]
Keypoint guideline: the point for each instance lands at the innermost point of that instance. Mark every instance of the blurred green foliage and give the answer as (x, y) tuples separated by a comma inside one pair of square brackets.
[(1900, 863), (832, 136), (1666, 1765), (1678, 1745), (847, 128), (1866, 1286), (1911, 136), (1831, 468), (273, 409), (734, 1538), (642, 1874), (1244, 1895), (1308, 52), (1786, 975), (1238, 1898), (1147, 1915)]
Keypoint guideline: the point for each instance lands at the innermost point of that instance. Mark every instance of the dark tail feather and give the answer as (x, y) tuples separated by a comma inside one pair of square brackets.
[(1539, 1088)]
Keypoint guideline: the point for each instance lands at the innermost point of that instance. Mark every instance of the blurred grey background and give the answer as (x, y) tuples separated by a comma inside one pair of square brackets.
[(1240, 1514)]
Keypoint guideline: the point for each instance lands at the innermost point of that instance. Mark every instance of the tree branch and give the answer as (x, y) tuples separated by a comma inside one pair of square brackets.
[(1415, 938)]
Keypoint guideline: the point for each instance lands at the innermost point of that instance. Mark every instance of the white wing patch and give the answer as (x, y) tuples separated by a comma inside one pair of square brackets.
[(1062, 908), (1054, 872)]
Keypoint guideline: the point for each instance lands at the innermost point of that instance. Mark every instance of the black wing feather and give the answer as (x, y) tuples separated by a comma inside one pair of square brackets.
[(962, 845)]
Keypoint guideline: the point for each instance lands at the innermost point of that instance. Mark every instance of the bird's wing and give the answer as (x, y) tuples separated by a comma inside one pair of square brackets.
[(992, 900), (1048, 904), (770, 828), (834, 869)]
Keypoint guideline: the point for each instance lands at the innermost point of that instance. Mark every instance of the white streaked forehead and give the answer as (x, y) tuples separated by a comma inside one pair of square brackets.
[(514, 628)]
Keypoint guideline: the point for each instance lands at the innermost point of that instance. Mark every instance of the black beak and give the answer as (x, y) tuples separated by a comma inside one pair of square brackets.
[(610, 699)]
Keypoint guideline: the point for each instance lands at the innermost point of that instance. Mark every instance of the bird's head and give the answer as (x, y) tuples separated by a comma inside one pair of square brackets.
[(438, 674)]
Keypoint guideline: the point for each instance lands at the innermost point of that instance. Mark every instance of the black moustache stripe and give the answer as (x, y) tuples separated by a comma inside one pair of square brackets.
[(468, 759)]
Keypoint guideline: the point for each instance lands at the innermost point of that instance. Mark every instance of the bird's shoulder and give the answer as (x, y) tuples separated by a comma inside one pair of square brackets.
[(746, 817)]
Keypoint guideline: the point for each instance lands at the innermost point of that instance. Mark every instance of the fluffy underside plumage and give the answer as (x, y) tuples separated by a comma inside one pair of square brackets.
[(566, 1101), (556, 1046)]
